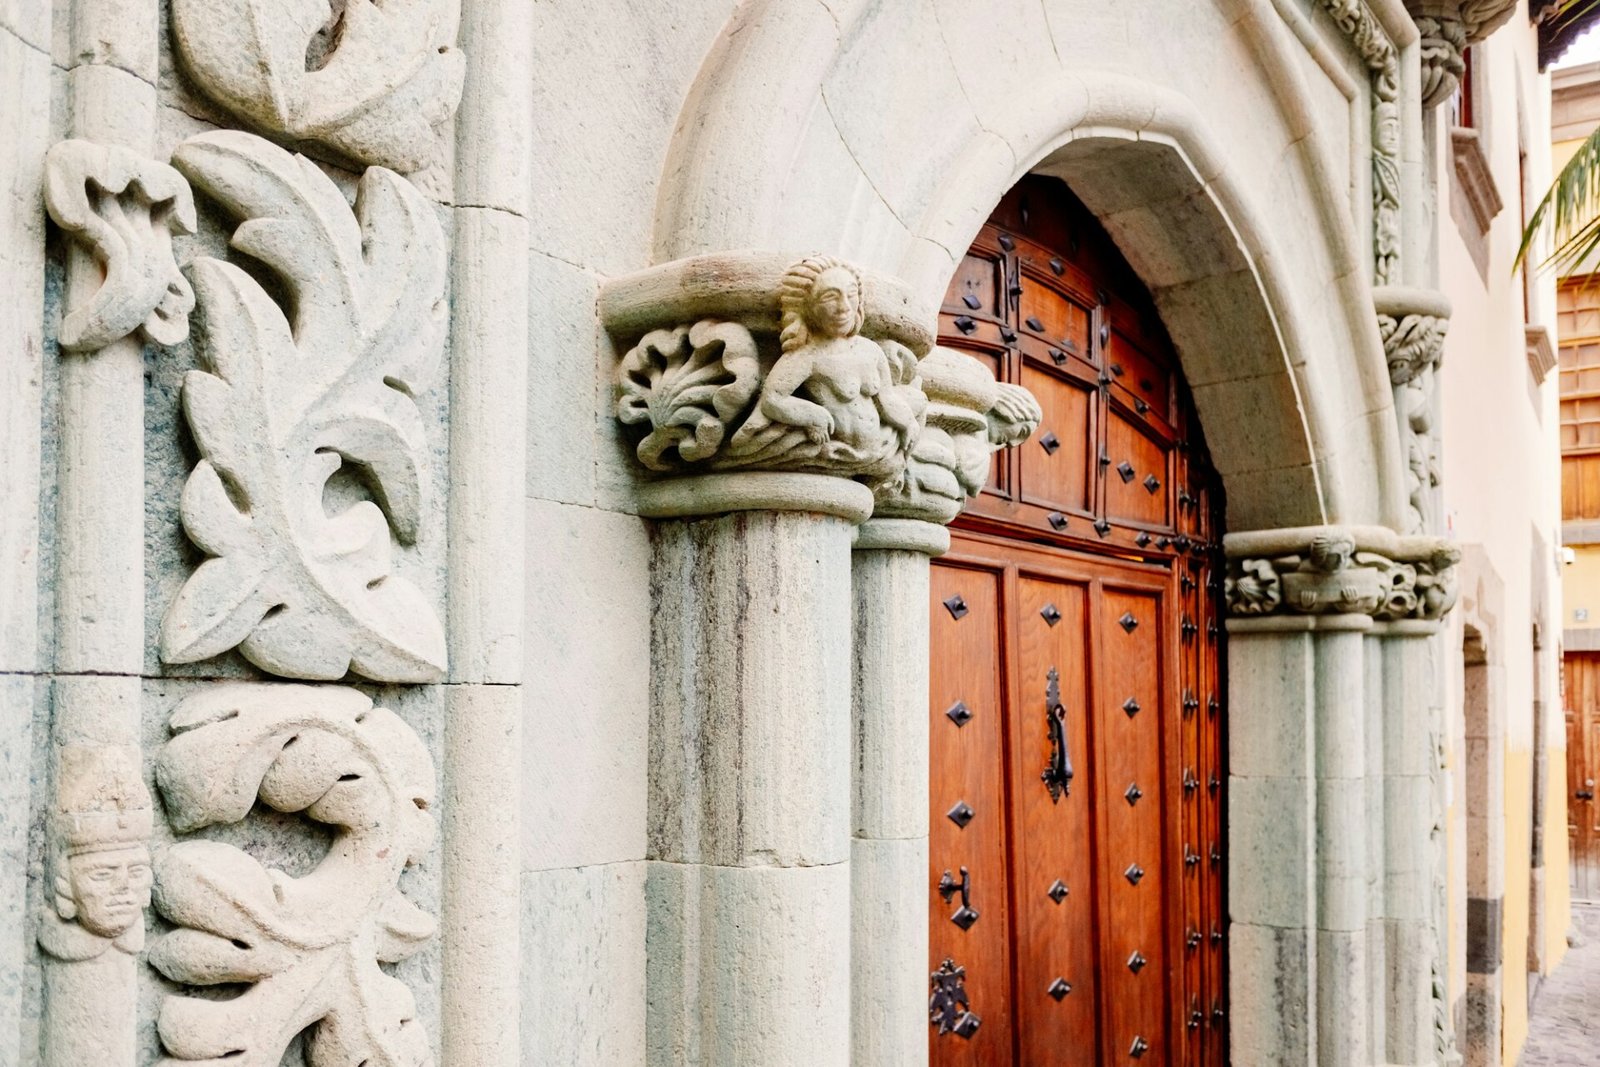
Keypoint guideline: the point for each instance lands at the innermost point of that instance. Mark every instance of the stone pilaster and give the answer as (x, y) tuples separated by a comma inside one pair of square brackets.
[(969, 416), (770, 398)]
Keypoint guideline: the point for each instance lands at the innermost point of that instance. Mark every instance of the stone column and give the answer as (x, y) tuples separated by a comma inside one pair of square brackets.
[(769, 399), (1301, 772), (118, 209), (969, 416)]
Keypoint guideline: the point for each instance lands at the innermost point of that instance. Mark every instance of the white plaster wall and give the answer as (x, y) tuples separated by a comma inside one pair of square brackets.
[(1502, 482)]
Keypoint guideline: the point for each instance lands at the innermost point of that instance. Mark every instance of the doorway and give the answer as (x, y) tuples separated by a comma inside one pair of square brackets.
[(1076, 882)]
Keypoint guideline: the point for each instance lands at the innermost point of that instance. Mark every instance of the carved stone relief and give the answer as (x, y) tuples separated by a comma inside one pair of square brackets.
[(1333, 574), (368, 81), (306, 950), (969, 417), (832, 402), (1412, 324), (290, 394), (124, 209), (1382, 60), (99, 855)]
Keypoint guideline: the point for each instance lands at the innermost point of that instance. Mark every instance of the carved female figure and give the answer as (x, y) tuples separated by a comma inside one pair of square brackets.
[(833, 399)]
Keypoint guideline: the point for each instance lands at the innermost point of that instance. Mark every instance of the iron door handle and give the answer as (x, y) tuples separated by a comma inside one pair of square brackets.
[(965, 915), (1585, 794), (1057, 775)]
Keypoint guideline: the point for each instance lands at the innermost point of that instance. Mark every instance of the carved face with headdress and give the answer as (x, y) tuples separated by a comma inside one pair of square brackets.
[(821, 299), (104, 821)]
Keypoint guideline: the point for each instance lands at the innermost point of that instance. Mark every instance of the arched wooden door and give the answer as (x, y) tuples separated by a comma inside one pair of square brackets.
[(1076, 882)]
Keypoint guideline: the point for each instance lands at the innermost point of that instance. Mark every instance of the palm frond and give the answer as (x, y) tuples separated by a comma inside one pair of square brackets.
[(1571, 209)]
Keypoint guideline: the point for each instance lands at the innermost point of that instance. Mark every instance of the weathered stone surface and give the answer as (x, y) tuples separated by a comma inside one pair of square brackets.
[(303, 593), (365, 82)]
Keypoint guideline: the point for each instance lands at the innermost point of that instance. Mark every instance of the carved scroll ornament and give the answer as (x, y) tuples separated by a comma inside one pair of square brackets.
[(1448, 28), (1332, 574), (124, 209), (99, 851), (285, 402), (305, 950), (832, 402), (370, 84)]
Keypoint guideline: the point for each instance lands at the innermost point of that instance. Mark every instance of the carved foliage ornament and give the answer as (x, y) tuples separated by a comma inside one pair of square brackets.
[(1447, 29), (1382, 60), (368, 80), (832, 402), (124, 208), (1333, 576), (290, 394), (99, 852), (306, 950)]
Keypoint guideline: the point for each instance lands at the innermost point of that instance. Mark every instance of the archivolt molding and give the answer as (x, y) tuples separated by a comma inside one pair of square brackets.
[(810, 393), (123, 208), (283, 404), (371, 82), (1340, 571), (306, 950)]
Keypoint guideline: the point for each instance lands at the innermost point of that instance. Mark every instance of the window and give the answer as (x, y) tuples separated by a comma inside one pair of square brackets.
[(1578, 326), (1460, 103)]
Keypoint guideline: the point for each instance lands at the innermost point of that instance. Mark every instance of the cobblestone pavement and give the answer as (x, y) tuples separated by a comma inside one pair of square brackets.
[(1565, 1028)]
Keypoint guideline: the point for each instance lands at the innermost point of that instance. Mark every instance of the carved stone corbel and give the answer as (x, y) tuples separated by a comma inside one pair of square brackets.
[(1343, 571), (123, 208), (1448, 28), (1412, 324), (751, 383)]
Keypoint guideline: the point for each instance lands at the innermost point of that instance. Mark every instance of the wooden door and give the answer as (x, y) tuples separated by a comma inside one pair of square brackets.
[(1583, 770), (1076, 879)]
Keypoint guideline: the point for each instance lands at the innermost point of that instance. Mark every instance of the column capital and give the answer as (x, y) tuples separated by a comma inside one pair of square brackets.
[(754, 380), (1448, 28), (1313, 576), (1412, 323)]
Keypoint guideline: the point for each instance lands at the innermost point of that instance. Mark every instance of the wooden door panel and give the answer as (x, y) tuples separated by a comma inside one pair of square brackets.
[(1136, 487), (1582, 671), (968, 635), (1056, 925), (1057, 461), (1129, 714), (1048, 310), (976, 286)]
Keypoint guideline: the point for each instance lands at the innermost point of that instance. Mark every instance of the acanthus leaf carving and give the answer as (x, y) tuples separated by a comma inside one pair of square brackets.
[(283, 405), (307, 949), (371, 84), (124, 208), (832, 402)]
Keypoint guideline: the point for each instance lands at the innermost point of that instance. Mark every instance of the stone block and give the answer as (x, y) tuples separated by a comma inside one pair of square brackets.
[(1239, 419), (595, 176), (582, 979), (1271, 828), (1343, 1019), (564, 403), (750, 700), (587, 695), (1340, 700), (1273, 1018), (1342, 834), (746, 965), (1270, 680), (889, 952)]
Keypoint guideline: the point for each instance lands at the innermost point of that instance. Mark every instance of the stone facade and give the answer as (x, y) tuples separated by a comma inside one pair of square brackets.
[(471, 470)]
